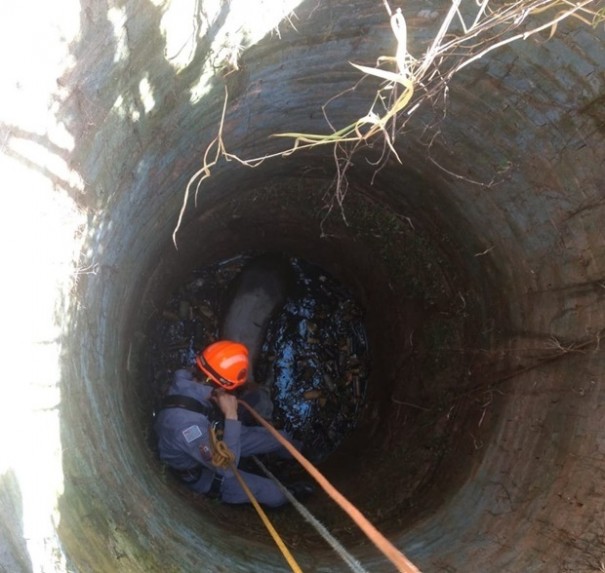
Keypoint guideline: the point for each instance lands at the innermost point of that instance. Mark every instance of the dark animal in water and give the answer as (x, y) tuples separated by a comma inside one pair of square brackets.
[(257, 294)]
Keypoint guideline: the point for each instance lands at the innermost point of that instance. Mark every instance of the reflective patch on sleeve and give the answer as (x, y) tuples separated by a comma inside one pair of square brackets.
[(192, 433)]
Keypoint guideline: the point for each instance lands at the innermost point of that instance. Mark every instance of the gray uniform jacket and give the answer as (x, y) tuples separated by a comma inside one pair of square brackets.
[(184, 442), (184, 436)]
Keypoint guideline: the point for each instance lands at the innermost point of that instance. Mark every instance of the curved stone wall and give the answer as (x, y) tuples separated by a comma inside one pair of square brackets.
[(479, 259)]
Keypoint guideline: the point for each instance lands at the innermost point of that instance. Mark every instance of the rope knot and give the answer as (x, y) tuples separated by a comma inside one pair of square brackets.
[(222, 456)]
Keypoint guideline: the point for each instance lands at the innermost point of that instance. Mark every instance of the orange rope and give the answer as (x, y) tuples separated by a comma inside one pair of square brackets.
[(403, 564)]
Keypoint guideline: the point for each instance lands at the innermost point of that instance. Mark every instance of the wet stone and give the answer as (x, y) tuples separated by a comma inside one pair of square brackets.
[(314, 358)]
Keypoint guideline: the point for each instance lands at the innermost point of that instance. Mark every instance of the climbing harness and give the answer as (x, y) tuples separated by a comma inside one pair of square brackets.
[(223, 457), (189, 403), (402, 563)]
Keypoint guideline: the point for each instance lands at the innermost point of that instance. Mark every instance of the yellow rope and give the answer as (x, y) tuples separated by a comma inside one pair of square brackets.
[(223, 457)]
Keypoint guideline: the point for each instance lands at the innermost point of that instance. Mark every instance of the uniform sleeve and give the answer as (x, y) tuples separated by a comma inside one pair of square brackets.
[(232, 438), (194, 440), (197, 442)]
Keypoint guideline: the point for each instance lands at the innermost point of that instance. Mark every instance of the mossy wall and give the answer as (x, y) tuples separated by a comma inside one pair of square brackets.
[(480, 260)]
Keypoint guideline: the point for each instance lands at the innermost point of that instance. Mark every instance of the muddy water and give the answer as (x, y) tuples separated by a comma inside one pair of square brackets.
[(314, 357)]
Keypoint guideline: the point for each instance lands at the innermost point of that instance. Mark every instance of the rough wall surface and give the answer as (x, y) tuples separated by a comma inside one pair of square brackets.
[(504, 196)]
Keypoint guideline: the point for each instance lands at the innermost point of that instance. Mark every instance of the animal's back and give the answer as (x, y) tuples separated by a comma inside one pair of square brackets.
[(258, 292)]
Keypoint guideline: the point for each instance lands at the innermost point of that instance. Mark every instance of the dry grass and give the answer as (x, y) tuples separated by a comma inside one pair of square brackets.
[(408, 82)]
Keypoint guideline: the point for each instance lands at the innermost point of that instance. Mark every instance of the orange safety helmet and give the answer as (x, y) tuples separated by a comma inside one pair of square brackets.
[(225, 363)]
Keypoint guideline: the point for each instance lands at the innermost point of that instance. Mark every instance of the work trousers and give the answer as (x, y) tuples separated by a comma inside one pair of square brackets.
[(255, 440)]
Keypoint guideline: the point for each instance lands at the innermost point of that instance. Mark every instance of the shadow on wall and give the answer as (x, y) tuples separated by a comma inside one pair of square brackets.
[(137, 121), (131, 115), (117, 79), (121, 92), (136, 124)]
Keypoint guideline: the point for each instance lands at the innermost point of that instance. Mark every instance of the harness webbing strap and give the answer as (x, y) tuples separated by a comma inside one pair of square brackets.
[(187, 403), (194, 474)]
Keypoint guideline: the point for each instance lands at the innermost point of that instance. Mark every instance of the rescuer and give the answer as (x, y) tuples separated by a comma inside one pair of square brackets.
[(200, 399)]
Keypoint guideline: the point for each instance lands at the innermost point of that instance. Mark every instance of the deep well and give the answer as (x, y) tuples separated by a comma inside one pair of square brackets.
[(479, 259)]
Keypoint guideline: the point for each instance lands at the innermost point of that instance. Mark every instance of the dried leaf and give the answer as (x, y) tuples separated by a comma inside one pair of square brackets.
[(312, 394)]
